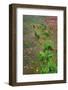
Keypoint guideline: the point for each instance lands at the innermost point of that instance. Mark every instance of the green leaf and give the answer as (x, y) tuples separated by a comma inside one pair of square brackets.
[(48, 54), (46, 33), (44, 69), (52, 66), (43, 27), (41, 55), (48, 45)]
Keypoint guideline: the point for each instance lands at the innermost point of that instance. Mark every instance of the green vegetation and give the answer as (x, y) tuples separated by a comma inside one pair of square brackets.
[(39, 42), (45, 56)]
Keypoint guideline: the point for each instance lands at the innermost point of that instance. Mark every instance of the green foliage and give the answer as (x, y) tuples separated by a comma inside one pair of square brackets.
[(45, 56), (41, 55), (43, 27), (48, 45), (48, 66), (52, 66), (48, 54), (46, 33), (44, 69)]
